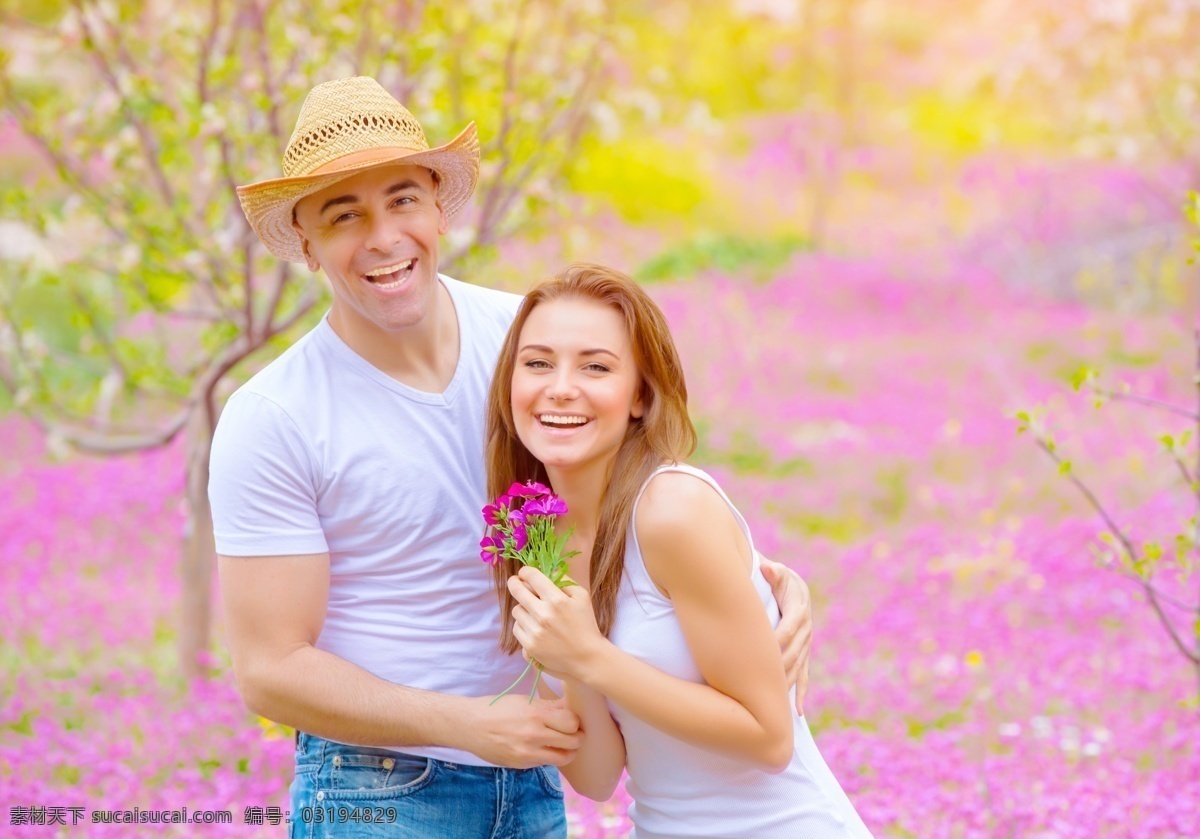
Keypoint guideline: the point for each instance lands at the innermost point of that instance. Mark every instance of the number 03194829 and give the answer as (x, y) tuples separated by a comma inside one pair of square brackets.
[(345, 815)]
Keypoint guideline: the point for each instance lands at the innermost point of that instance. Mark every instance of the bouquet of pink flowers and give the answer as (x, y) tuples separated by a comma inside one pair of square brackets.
[(521, 527)]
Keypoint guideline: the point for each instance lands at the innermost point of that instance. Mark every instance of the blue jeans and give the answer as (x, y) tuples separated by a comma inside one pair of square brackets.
[(355, 791)]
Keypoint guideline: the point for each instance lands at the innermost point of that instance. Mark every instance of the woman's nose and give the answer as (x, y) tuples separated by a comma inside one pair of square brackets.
[(562, 386)]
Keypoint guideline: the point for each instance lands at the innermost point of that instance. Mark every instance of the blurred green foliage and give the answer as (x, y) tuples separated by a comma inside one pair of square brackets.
[(759, 259), (746, 455)]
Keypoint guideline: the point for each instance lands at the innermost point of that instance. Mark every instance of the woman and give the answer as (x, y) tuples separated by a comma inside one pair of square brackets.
[(668, 656)]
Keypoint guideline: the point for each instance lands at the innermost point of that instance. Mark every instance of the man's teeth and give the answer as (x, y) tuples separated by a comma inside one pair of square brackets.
[(402, 269), (549, 419)]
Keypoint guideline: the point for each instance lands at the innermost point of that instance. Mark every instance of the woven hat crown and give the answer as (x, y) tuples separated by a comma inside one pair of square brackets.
[(346, 116)]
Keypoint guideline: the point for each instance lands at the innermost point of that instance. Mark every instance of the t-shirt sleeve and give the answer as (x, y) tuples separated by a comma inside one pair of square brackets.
[(262, 486)]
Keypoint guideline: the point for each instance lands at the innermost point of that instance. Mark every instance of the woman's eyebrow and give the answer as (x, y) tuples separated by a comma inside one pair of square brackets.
[(592, 351)]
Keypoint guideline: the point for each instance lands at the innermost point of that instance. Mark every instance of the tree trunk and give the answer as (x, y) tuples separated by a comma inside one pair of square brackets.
[(199, 552)]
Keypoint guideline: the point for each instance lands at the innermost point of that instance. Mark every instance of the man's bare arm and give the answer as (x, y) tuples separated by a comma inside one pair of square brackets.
[(274, 611)]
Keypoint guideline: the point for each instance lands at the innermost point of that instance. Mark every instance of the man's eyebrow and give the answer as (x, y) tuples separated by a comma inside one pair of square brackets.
[(353, 199), (403, 185), (593, 351), (341, 199)]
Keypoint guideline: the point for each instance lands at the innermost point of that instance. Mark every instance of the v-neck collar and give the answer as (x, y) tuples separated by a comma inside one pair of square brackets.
[(342, 351)]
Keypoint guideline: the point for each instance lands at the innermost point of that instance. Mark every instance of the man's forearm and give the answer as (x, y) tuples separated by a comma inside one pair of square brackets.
[(321, 694)]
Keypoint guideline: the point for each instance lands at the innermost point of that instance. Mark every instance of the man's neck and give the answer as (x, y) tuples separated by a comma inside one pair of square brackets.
[(424, 356)]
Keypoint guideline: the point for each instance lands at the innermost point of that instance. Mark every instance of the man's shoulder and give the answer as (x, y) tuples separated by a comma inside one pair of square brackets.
[(493, 302), (287, 381)]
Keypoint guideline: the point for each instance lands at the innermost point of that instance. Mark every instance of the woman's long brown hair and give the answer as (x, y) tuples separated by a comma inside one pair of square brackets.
[(663, 434)]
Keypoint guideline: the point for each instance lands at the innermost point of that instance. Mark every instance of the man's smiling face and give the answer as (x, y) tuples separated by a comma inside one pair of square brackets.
[(376, 237)]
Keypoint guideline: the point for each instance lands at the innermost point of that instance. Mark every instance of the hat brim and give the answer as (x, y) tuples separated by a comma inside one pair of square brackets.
[(268, 205)]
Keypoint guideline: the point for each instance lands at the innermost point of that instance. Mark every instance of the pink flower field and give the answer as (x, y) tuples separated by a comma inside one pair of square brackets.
[(977, 672)]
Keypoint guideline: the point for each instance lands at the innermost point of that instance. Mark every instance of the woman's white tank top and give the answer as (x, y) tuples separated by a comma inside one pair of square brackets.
[(682, 790)]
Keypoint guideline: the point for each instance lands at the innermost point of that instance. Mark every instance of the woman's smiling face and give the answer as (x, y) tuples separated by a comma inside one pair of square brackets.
[(575, 386)]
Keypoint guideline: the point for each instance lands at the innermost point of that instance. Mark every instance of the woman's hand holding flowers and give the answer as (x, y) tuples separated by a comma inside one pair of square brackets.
[(556, 627)]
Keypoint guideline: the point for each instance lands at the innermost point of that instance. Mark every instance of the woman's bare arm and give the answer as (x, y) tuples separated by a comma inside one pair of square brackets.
[(694, 550)]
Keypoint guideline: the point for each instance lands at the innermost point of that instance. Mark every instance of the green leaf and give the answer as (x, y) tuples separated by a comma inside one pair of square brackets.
[(1082, 376), (24, 725), (1064, 467)]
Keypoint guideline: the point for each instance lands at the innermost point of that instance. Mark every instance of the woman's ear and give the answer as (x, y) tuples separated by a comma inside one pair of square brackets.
[(639, 404)]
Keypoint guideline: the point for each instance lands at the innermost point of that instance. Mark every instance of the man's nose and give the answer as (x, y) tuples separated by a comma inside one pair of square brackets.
[(383, 234)]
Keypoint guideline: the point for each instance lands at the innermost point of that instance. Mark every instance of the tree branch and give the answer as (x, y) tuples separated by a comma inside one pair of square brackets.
[(1131, 551), (302, 307), (507, 105), (102, 337), (105, 443), (1116, 396), (1188, 478), (151, 153), (150, 147), (283, 274), (568, 120), (268, 78)]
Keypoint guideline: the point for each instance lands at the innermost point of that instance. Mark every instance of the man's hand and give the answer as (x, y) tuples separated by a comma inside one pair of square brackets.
[(795, 630), (521, 735)]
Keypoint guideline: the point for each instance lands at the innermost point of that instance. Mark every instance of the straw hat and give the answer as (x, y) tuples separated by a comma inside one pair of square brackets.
[(345, 127)]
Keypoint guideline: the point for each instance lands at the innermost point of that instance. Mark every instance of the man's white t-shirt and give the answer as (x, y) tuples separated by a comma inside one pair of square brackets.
[(321, 452)]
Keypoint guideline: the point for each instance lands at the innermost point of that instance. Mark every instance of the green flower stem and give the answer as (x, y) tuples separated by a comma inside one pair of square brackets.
[(508, 689), (537, 678), (543, 551)]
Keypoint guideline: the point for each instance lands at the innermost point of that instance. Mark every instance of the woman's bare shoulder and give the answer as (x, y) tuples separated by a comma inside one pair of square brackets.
[(679, 509)]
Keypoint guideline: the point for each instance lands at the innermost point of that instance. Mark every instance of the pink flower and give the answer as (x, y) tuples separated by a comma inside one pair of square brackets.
[(492, 515), (530, 489), (490, 548), (551, 506), (520, 538), (499, 514)]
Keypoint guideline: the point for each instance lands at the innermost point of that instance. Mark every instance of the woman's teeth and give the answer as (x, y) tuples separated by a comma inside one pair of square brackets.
[(548, 419), (390, 277)]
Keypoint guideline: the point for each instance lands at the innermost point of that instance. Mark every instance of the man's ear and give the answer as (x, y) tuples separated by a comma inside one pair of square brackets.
[(313, 265), (443, 222)]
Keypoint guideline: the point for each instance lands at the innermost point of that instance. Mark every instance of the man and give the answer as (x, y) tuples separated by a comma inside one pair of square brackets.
[(347, 481)]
